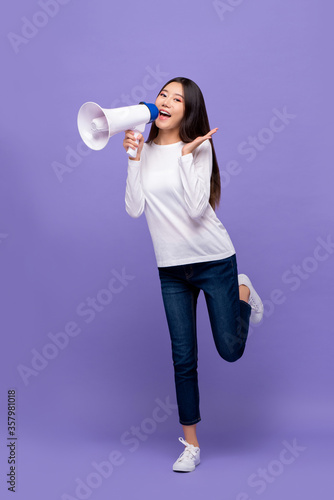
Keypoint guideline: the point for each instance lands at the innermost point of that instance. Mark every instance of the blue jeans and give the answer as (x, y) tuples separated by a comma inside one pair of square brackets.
[(229, 319)]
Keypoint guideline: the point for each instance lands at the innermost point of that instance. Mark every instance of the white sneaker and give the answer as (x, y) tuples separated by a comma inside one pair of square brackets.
[(254, 300), (188, 459)]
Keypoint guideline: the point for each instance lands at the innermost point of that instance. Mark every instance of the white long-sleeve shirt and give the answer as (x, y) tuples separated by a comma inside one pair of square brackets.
[(174, 191)]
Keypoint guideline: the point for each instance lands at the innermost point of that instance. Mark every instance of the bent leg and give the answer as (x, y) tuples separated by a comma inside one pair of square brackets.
[(229, 316)]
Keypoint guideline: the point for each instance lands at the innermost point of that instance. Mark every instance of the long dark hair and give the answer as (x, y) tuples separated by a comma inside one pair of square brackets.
[(195, 123)]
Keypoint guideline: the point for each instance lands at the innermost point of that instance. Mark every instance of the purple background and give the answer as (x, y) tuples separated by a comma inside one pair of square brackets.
[(62, 237)]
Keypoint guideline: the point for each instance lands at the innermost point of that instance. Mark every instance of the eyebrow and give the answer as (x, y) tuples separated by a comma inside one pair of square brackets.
[(164, 90)]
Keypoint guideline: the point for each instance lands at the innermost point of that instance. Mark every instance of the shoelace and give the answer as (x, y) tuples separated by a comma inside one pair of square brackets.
[(254, 305), (189, 452)]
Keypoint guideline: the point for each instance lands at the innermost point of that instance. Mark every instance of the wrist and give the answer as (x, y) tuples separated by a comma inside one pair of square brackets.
[(185, 152)]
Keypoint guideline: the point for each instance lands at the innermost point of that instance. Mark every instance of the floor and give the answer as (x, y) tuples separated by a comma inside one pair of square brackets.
[(232, 468)]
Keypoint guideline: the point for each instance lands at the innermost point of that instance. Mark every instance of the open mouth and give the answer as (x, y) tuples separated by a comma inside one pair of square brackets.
[(164, 115)]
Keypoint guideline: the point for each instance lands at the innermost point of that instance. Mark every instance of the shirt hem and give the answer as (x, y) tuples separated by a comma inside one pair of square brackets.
[(194, 260)]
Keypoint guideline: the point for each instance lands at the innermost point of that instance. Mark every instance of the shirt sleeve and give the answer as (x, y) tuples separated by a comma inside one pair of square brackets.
[(195, 169), (134, 196)]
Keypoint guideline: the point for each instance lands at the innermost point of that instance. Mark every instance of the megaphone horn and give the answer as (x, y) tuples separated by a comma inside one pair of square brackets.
[(96, 125)]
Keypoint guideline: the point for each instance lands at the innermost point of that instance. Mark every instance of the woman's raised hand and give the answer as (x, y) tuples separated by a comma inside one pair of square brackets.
[(190, 146), (130, 142)]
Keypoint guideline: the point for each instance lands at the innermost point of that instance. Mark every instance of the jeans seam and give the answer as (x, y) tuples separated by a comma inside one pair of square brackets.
[(192, 422)]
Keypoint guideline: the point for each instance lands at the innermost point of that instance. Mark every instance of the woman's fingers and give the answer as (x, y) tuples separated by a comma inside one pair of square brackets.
[(207, 136), (130, 140), (131, 134), (213, 131)]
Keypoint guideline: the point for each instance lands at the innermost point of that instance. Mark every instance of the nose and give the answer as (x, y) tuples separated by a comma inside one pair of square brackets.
[(166, 102)]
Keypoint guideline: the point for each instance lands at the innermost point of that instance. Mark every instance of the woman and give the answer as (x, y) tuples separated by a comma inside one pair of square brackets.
[(175, 180)]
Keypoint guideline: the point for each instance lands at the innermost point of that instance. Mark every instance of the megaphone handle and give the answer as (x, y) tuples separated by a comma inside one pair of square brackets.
[(133, 152), (138, 130)]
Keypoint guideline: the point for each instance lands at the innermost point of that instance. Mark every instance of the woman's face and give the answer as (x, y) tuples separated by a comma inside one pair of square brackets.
[(171, 106)]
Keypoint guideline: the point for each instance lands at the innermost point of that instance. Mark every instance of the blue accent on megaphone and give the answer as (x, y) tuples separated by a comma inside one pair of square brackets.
[(153, 110)]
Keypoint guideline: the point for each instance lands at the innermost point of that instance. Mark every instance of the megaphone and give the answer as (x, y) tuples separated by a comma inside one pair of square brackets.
[(96, 125)]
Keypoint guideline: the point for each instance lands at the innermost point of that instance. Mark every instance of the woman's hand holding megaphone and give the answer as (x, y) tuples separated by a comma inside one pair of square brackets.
[(134, 142)]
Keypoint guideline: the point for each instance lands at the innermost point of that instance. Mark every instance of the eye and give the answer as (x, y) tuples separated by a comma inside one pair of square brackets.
[(162, 94)]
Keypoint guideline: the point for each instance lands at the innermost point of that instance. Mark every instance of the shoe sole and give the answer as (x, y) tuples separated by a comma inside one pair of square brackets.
[(185, 470)]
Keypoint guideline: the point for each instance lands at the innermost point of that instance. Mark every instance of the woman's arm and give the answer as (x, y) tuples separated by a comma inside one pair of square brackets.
[(195, 169), (134, 196)]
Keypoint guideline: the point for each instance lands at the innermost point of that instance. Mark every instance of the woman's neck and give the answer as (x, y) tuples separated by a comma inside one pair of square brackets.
[(166, 137)]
